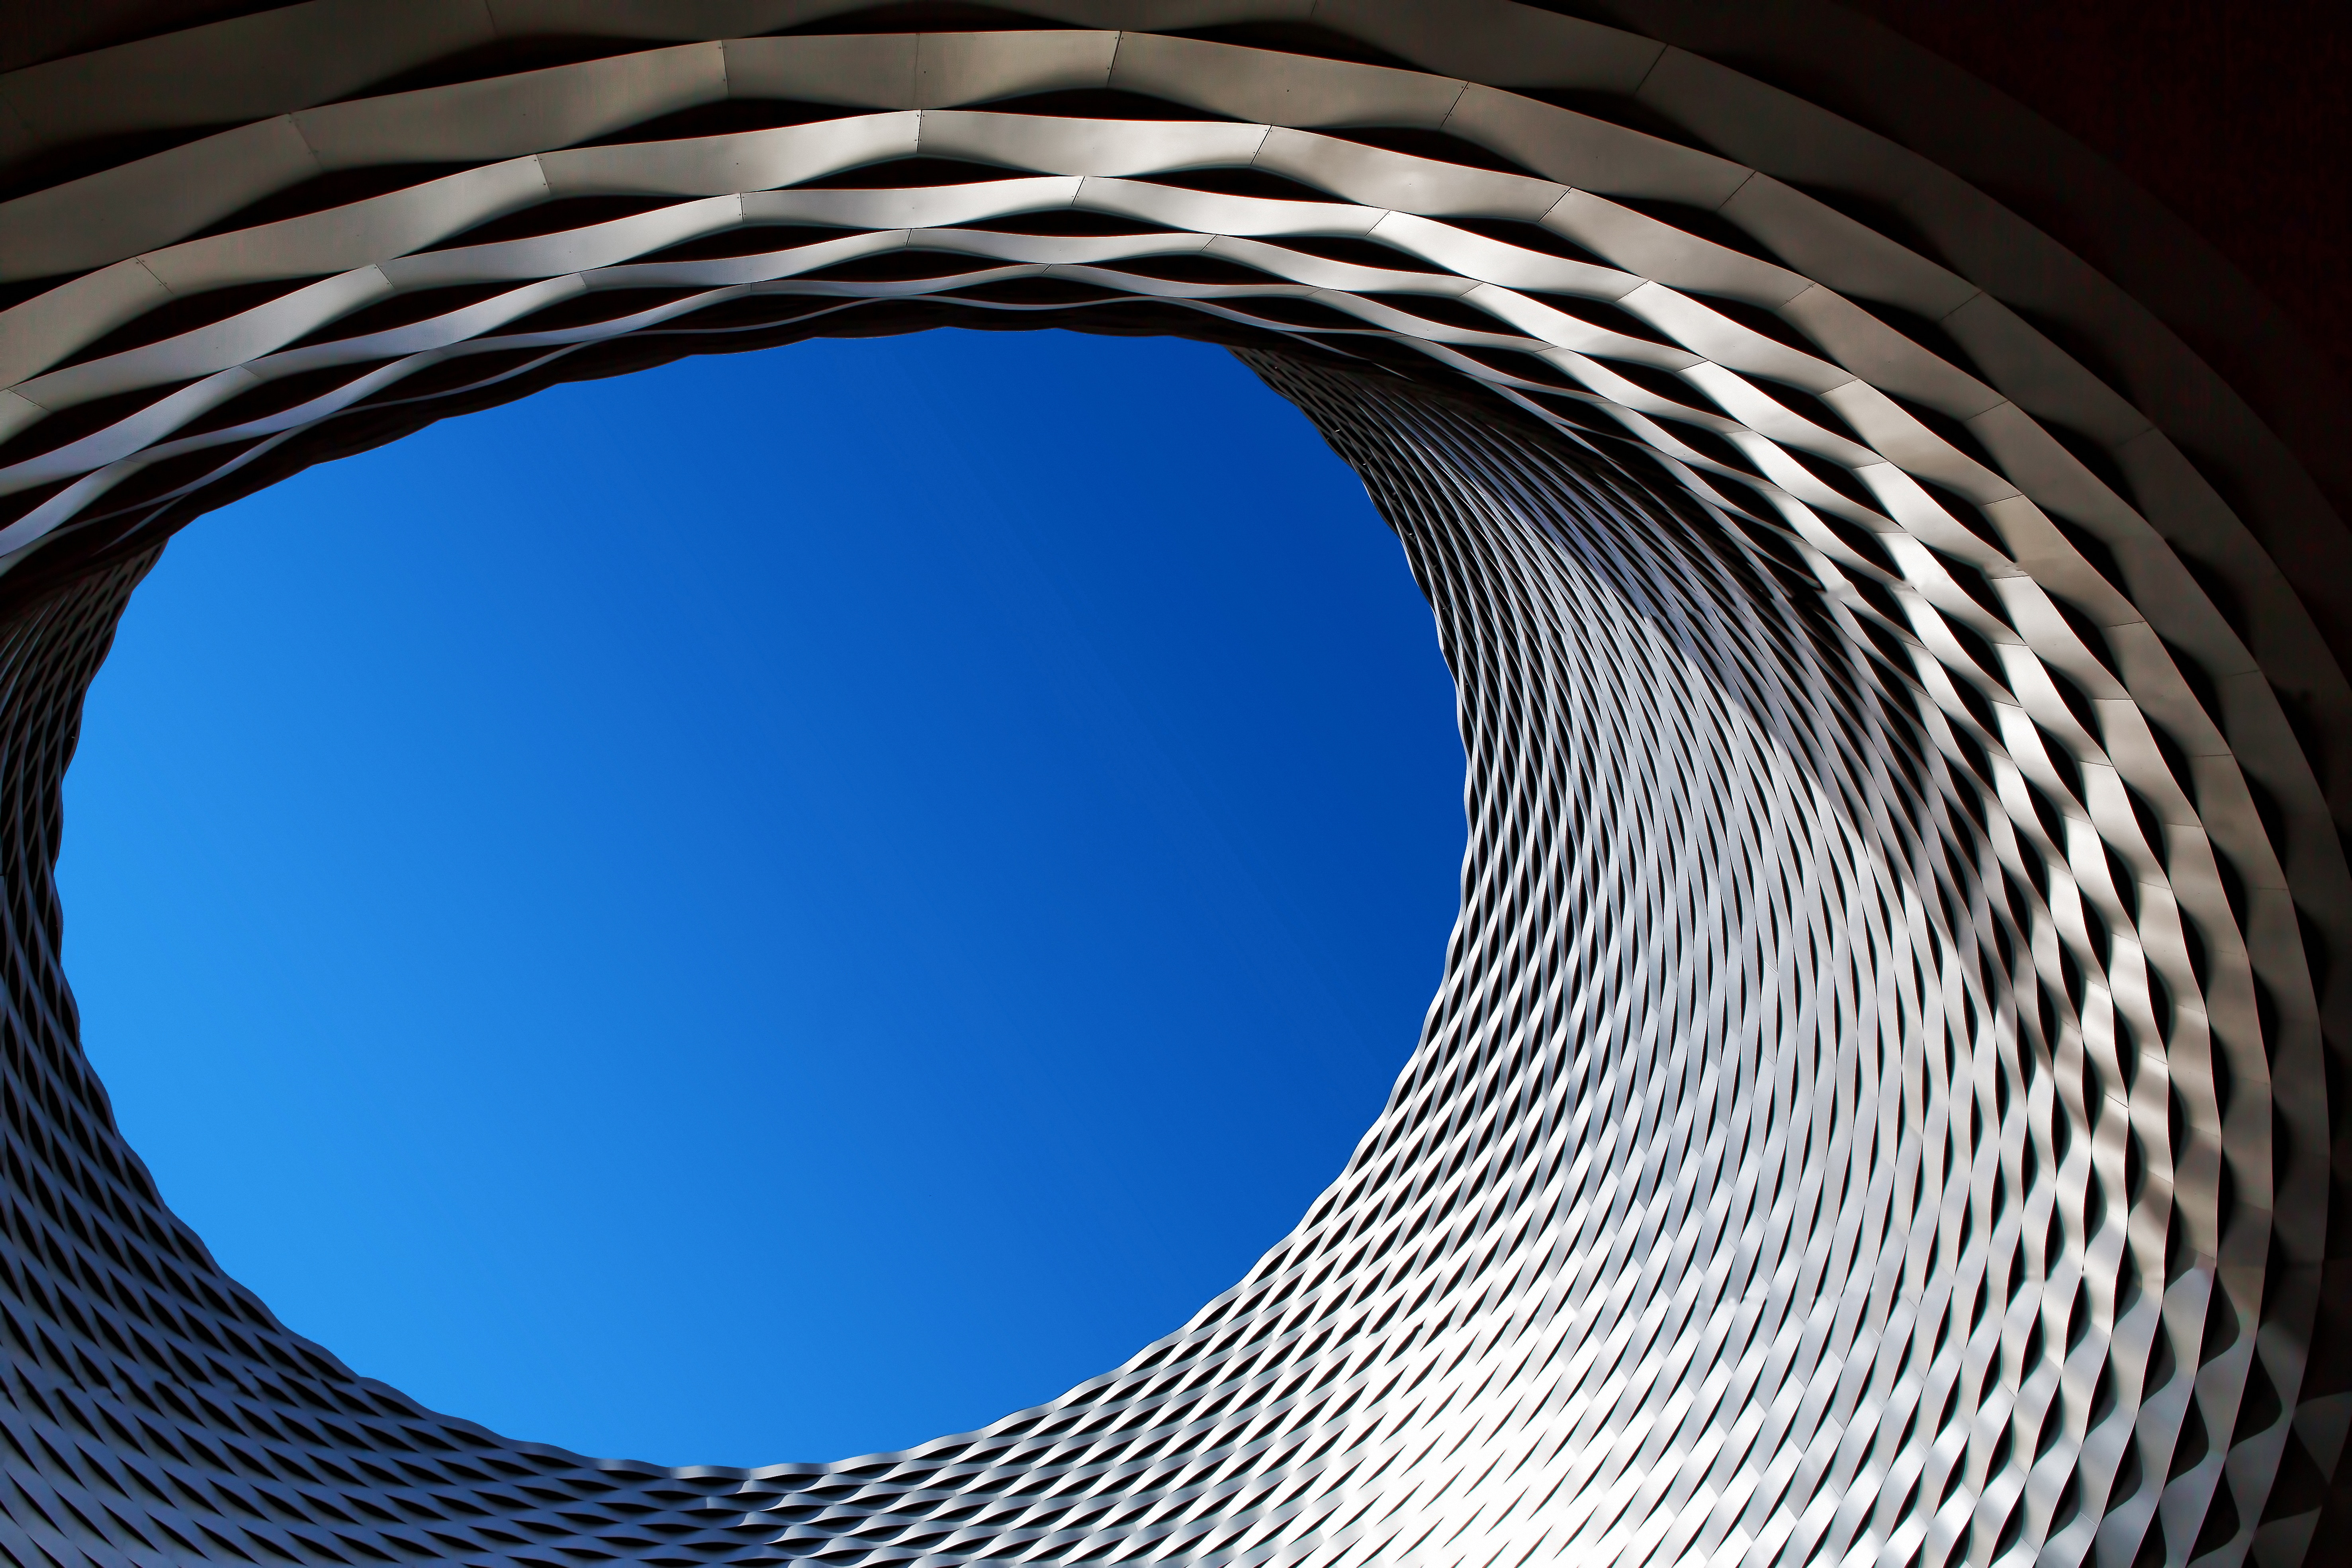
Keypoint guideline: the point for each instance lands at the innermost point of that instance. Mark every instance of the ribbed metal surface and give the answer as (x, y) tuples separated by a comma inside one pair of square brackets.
[(1877, 1107)]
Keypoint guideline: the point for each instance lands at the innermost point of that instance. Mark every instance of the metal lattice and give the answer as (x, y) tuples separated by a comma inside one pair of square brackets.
[(1877, 1106)]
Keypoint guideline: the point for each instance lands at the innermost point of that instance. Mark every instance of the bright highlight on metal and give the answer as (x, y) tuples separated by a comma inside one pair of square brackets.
[(1881, 1103)]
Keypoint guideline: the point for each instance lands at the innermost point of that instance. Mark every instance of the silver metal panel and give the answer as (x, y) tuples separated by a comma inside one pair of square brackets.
[(1877, 1108)]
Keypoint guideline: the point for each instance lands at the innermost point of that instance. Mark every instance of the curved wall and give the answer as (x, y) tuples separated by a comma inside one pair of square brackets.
[(1877, 1109)]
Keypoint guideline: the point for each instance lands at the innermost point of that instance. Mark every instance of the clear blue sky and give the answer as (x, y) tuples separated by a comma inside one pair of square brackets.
[(775, 907)]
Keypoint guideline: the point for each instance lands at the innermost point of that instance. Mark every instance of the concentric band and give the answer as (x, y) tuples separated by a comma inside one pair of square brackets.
[(1879, 1108)]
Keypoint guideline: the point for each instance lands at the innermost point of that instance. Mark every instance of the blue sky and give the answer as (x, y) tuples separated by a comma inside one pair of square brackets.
[(778, 907)]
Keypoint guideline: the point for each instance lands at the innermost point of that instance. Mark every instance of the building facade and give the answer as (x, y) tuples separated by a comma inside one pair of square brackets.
[(1883, 1100)]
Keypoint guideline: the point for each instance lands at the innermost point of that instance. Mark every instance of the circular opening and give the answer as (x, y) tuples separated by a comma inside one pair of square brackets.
[(775, 907)]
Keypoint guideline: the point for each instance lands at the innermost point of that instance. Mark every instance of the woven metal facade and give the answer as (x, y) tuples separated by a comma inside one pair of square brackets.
[(1881, 1105)]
